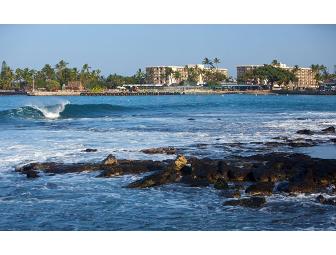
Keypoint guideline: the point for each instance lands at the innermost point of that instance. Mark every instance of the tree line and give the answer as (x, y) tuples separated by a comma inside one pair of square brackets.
[(52, 78), (274, 74), (191, 74)]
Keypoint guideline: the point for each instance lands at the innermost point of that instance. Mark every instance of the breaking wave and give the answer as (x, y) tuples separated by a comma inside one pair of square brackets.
[(63, 110)]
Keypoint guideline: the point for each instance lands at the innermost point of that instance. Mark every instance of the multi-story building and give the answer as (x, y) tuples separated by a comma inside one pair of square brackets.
[(243, 69), (169, 75), (305, 75)]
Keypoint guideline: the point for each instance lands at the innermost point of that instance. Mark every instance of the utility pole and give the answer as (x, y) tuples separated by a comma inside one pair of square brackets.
[(33, 83)]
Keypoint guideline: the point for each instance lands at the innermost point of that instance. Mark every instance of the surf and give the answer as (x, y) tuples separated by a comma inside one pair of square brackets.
[(63, 110), (51, 111)]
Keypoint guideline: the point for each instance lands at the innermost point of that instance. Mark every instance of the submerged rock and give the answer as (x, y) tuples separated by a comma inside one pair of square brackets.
[(305, 132), (326, 201), (32, 174), (230, 193), (160, 150), (330, 129), (221, 184), (90, 150), (252, 202)]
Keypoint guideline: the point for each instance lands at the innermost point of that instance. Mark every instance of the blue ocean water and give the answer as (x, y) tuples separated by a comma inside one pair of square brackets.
[(60, 128)]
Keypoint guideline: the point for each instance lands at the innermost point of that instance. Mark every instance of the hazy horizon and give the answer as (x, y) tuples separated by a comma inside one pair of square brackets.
[(125, 48)]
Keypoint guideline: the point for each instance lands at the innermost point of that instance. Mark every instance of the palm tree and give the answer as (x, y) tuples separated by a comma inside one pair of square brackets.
[(61, 71), (275, 62), (48, 72), (206, 61), (216, 62), (86, 68), (177, 75), (7, 77), (73, 74), (296, 68), (140, 76), (167, 74)]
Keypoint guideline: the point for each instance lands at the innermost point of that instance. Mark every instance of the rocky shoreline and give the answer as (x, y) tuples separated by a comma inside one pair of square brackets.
[(248, 177), (243, 180)]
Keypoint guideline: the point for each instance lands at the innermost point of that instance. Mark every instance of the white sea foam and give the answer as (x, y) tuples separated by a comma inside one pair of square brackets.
[(51, 111)]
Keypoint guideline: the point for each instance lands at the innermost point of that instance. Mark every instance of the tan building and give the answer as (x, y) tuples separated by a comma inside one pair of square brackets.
[(169, 75), (305, 75), (74, 86)]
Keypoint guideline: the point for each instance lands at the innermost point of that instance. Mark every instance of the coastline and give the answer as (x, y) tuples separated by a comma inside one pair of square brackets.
[(168, 92)]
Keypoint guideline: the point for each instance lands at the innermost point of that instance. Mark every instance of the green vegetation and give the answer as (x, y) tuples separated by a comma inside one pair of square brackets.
[(321, 73), (53, 78), (272, 74), (210, 74)]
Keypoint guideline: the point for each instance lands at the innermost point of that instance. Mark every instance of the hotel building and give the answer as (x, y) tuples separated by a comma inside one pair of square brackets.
[(166, 75), (305, 75)]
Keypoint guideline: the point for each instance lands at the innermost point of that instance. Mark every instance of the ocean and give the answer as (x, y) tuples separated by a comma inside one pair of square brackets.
[(40, 129)]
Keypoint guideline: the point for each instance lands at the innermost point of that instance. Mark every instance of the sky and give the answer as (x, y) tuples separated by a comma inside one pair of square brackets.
[(123, 49)]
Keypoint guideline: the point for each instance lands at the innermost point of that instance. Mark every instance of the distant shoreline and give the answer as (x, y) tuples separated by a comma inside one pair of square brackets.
[(166, 93)]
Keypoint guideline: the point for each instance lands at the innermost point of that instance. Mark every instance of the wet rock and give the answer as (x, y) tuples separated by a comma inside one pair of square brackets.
[(199, 183), (330, 129), (172, 173), (282, 187), (205, 169), (333, 140), (178, 164), (260, 189), (57, 168), (252, 202), (156, 179), (186, 170), (326, 201), (131, 167), (304, 182), (160, 150), (223, 169), (239, 174), (90, 150), (230, 193), (277, 166), (305, 132), (280, 138), (110, 160), (221, 184), (31, 174)]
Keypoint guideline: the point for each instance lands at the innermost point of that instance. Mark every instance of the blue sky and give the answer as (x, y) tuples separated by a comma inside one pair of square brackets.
[(125, 48)]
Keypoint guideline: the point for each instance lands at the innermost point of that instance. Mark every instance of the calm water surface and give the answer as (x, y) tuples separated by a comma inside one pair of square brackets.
[(58, 129)]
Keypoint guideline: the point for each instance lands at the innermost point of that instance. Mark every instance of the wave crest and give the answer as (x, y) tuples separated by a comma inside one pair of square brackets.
[(63, 110), (51, 111)]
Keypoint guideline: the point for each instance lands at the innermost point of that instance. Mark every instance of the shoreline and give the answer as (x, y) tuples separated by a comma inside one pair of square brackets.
[(167, 93)]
